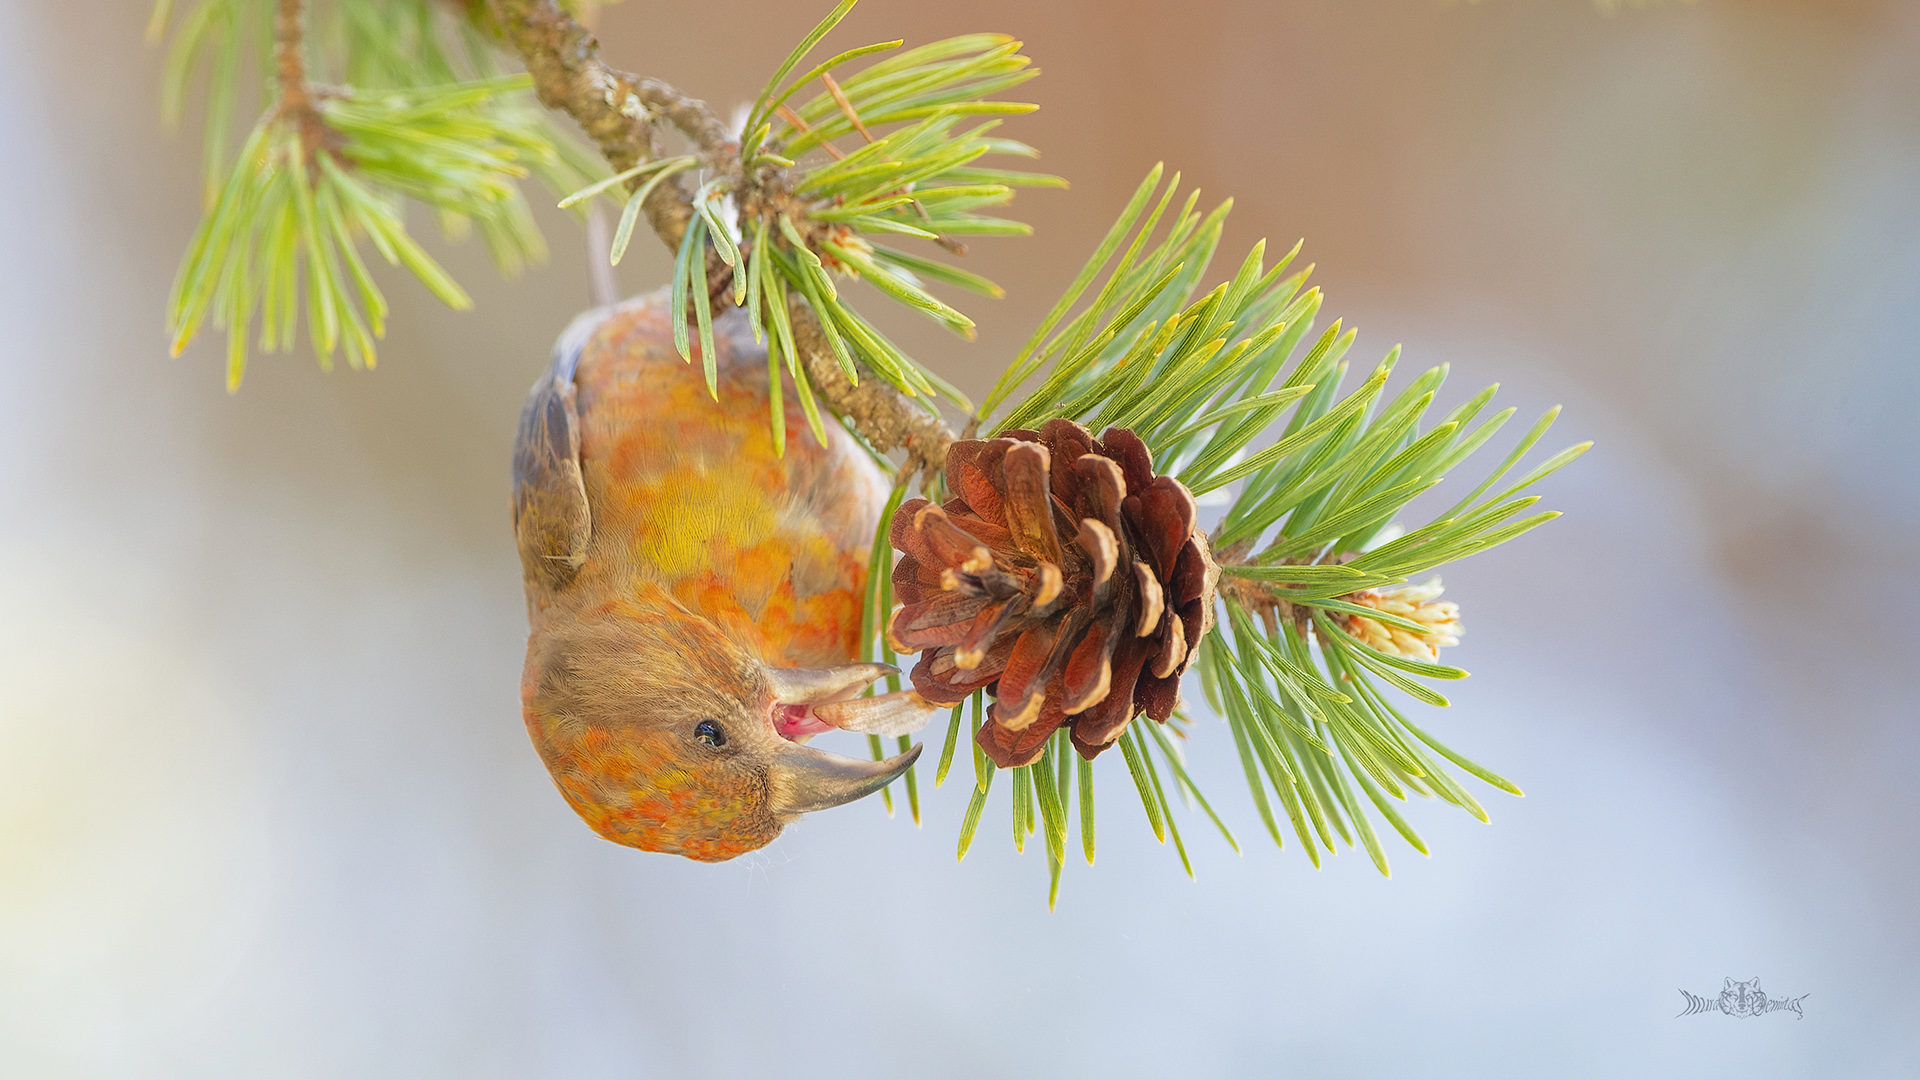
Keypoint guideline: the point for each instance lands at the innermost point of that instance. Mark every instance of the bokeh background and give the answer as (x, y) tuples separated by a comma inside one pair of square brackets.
[(266, 807)]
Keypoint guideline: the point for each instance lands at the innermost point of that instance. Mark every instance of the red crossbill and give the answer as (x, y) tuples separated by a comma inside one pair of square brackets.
[(694, 596)]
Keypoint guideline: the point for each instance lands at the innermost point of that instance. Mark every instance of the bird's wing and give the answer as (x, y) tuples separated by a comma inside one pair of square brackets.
[(551, 519)]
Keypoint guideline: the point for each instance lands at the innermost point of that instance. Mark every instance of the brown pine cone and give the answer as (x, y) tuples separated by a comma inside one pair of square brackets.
[(1063, 576)]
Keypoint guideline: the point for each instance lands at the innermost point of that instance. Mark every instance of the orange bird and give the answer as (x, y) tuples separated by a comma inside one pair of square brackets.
[(694, 597)]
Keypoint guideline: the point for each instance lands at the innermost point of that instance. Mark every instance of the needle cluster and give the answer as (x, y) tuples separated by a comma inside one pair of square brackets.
[(424, 114)]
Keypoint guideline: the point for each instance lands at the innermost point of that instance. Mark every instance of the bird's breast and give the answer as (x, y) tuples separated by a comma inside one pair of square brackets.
[(689, 494)]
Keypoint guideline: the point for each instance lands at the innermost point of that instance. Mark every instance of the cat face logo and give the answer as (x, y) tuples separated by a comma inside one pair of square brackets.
[(1741, 999)]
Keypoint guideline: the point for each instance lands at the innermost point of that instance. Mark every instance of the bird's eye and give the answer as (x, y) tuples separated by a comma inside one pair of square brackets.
[(708, 732)]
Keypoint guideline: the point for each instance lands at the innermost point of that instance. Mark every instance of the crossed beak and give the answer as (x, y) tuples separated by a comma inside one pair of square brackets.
[(807, 701)]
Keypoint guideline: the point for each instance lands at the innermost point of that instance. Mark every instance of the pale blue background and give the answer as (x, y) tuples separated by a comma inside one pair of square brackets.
[(266, 808)]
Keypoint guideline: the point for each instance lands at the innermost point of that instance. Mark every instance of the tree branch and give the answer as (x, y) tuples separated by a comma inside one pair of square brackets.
[(884, 416), (617, 111), (296, 103), (289, 36)]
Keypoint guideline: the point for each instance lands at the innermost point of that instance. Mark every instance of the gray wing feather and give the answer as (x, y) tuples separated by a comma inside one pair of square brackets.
[(551, 519)]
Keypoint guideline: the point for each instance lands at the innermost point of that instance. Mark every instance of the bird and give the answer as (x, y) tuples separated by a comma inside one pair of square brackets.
[(694, 594)]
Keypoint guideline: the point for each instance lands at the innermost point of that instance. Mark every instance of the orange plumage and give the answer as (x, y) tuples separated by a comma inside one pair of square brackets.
[(689, 496), (693, 595)]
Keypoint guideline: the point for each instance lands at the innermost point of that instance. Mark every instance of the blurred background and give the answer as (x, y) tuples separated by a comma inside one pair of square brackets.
[(267, 807)]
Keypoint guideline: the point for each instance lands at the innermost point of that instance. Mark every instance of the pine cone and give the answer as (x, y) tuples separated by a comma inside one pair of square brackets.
[(1063, 576)]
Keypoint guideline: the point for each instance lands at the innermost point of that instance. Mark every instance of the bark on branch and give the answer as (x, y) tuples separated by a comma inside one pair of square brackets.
[(618, 111), (296, 98)]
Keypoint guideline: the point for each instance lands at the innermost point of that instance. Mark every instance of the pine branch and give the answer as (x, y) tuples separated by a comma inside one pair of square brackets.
[(322, 174), (1313, 628), (617, 111), (289, 44)]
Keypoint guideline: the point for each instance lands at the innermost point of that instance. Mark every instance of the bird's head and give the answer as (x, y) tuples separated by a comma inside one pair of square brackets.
[(664, 734)]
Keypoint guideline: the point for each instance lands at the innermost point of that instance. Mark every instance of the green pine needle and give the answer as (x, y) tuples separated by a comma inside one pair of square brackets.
[(798, 54), (947, 748), (912, 173), (1234, 393), (283, 228)]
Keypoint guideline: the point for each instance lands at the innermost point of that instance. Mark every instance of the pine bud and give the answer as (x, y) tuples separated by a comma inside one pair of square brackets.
[(1419, 603)]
